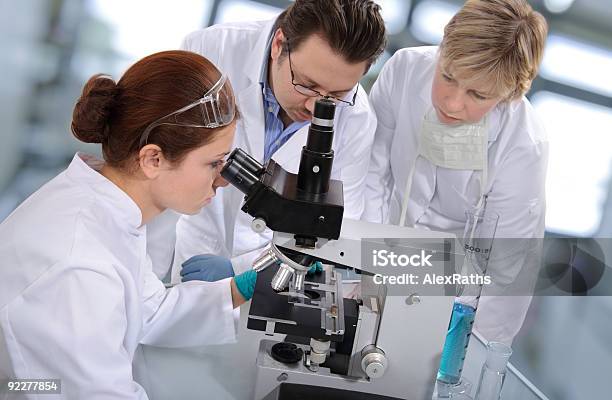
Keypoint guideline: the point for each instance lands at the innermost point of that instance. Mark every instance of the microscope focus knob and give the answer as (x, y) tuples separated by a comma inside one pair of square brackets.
[(258, 225), (374, 362)]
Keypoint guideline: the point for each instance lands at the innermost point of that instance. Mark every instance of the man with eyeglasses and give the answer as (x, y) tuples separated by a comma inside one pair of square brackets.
[(278, 69)]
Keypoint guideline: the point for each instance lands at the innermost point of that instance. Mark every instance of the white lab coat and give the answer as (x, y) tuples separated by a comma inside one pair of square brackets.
[(517, 160), (77, 294), (238, 49)]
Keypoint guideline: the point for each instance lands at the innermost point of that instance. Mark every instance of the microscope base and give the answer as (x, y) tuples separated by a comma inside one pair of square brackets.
[(277, 381)]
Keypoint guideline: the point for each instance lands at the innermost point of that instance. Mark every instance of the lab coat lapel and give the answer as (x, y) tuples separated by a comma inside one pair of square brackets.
[(252, 121), (286, 154), (250, 100), (250, 135)]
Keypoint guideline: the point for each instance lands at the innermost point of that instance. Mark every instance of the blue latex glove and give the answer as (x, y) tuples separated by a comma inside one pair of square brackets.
[(206, 267), (245, 283), (315, 268)]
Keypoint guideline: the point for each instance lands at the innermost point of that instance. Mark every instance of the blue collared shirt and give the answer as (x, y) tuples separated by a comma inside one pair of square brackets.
[(276, 135)]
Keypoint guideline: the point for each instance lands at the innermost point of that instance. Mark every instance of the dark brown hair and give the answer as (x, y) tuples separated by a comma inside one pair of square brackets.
[(353, 28), (116, 114)]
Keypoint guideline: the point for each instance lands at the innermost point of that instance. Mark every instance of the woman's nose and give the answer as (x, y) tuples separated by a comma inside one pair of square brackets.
[(454, 101)]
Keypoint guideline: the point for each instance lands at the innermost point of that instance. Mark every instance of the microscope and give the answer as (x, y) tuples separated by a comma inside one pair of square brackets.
[(384, 344)]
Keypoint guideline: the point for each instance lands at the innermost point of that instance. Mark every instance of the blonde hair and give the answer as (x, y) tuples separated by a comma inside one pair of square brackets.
[(495, 41)]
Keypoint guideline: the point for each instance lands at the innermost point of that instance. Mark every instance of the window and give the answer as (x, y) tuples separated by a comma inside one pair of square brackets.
[(580, 162)]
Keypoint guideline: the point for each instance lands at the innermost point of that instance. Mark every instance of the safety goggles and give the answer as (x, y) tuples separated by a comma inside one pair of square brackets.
[(214, 110)]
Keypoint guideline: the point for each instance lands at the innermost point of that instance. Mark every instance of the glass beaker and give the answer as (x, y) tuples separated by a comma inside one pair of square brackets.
[(477, 243), (493, 371)]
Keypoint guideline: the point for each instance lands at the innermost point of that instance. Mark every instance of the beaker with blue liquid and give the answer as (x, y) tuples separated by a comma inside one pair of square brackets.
[(477, 245)]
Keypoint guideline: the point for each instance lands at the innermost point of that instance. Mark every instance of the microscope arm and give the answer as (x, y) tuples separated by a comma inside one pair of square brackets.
[(347, 249)]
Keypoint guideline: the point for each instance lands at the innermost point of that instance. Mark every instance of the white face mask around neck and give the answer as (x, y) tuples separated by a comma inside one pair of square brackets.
[(462, 146)]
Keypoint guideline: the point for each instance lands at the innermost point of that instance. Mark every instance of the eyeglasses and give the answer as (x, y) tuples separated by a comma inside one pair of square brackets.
[(215, 109), (310, 92)]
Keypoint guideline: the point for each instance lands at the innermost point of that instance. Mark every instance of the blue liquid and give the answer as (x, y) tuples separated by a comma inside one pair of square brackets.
[(456, 343)]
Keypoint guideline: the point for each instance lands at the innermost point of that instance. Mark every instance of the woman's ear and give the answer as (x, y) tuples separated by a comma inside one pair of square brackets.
[(151, 161)]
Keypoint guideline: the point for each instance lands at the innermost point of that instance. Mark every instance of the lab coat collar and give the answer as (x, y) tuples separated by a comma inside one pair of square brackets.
[(258, 55), (84, 169), (250, 100)]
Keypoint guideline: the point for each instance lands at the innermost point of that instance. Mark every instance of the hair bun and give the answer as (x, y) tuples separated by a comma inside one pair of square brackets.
[(93, 108)]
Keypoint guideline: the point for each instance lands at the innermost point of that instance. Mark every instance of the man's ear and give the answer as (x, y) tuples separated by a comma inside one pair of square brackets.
[(151, 161), (277, 44)]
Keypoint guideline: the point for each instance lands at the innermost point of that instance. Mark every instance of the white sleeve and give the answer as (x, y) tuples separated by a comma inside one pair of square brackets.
[(203, 233), (189, 314), (518, 197), (161, 239), (379, 181), (358, 134), (243, 262), (72, 326)]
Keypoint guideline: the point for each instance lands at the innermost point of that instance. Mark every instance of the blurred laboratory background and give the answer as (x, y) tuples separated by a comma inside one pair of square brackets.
[(51, 47)]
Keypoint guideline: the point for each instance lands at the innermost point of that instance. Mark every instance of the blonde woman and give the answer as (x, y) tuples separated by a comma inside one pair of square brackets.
[(456, 133)]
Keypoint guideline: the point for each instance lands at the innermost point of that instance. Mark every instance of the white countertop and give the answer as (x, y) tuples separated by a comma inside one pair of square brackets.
[(227, 372)]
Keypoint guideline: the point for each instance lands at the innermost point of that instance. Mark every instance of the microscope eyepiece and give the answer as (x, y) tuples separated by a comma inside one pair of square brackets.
[(242, 171), (323, 116), (241, 178), (247, 162), (318, 156), (308, 204)]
